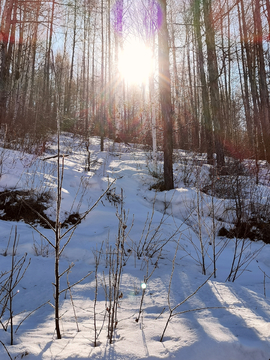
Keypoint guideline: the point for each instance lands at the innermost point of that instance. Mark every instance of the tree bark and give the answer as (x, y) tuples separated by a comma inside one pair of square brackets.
[(5, 62), (165, 97), (263, 88), (213, 76), (207, 121)]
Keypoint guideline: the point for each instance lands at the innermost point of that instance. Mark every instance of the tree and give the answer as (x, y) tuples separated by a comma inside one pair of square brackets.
[(5, 45), (213, 75), (207, 121), (165, 96)]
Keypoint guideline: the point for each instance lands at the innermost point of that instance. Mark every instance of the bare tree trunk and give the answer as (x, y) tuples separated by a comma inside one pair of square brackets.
[(165, 97), (208, 132), (72, 57), (58, 225), (244, 86), (263, 87), (213, 81), (5, 62), (34, 49), (252, 81), (102, 81), (48, 66), (93, 87), (192, 89), (111, 124)]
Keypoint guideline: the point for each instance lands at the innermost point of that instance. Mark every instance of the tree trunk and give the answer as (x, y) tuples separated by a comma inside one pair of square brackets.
[(207, 121), (244, 86), (252, 81), (72, 58), (213, 81), (263, 88), (165, 97), (5, 62), (102, 110)]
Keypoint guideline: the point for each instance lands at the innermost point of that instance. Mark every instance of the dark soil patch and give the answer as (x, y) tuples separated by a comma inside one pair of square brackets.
[(25, 205), (159, 186), (253, 229)]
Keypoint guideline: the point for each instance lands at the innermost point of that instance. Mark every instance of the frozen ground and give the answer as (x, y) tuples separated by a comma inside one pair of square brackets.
[(232, 320)]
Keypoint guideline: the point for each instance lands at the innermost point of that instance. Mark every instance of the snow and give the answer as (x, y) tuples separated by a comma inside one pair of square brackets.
[(232, 318)]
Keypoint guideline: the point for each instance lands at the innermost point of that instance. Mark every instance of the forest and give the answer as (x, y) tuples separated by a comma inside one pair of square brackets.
[(134, 179), (207, 62)]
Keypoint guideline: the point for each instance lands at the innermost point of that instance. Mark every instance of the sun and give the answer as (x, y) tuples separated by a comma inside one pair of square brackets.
[(135, 63)]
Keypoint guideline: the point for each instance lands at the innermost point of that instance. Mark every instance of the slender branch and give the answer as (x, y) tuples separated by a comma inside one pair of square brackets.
[(86, 213), (69, 268), (39, 215), (44, 237), (72, 302), (55, 156), (181, 303), (76, 283), (6, 350), (199, 309), (31, 312)]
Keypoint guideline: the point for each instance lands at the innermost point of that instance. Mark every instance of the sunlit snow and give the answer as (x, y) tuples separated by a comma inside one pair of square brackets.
[(232, 320)]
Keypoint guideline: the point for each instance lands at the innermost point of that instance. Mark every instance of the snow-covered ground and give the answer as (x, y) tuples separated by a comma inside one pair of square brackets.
[(232, 318)]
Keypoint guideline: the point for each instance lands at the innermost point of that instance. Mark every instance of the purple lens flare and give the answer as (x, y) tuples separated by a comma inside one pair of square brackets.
[(141, 17)]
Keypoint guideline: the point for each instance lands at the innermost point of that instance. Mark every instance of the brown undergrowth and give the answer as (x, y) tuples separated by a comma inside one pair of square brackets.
[(27, 206)]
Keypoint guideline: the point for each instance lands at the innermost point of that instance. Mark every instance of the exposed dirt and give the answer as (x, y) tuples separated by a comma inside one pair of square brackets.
[(25, 205), (159, 186), (253, 229)]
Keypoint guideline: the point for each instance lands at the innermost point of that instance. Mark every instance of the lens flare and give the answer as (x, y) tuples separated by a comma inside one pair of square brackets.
[(143, 18)]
